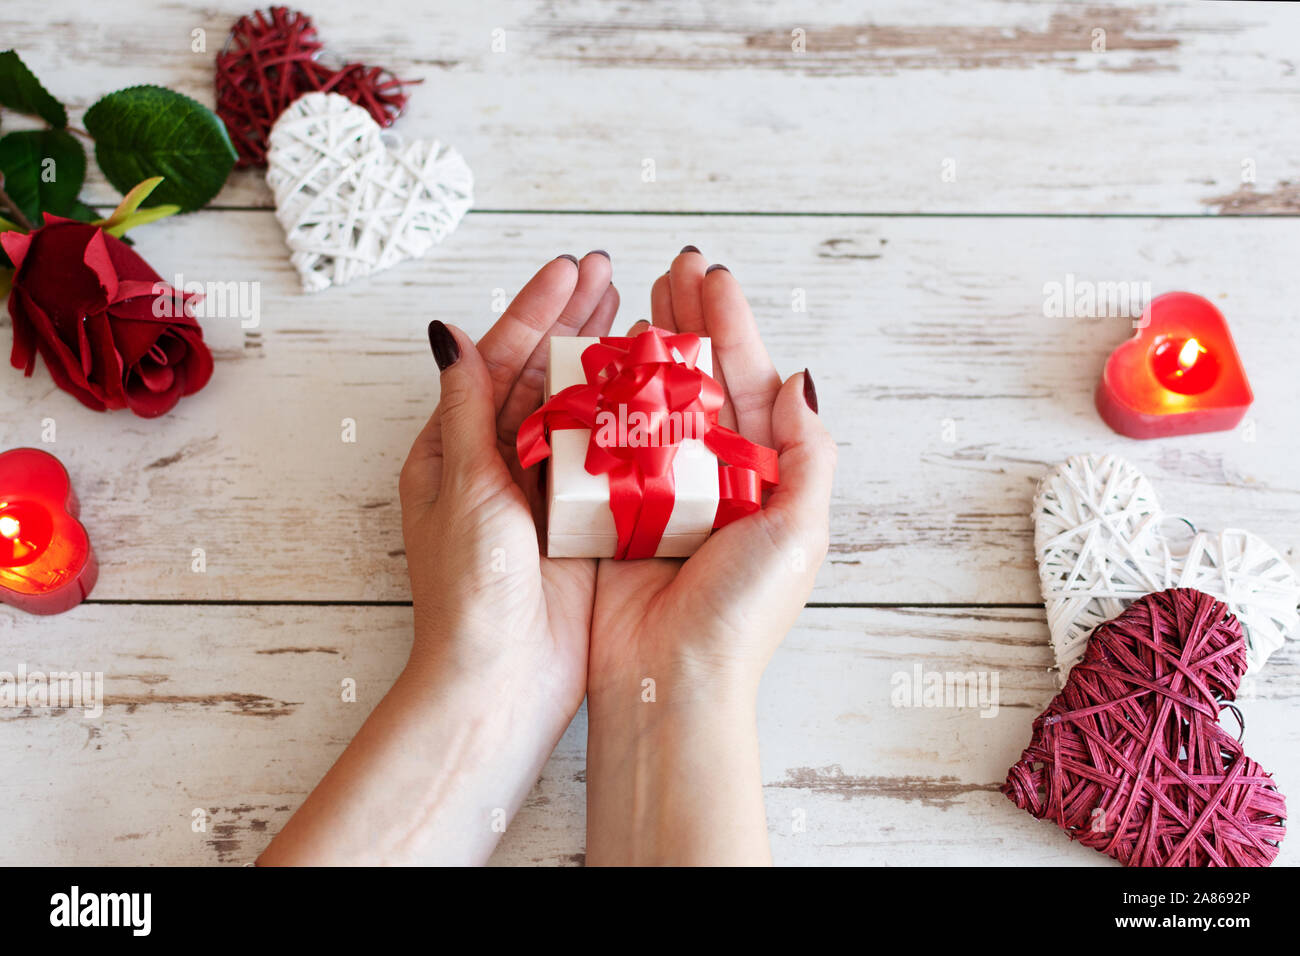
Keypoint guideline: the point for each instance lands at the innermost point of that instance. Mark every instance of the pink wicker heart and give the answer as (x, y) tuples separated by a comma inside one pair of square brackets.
[(1130, 758)]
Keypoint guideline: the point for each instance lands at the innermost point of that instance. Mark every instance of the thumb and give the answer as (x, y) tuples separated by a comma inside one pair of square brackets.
[(465, 406), (801, 502)]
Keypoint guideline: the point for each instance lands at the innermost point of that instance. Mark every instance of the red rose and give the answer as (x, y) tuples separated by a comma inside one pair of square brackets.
[(111, 332)]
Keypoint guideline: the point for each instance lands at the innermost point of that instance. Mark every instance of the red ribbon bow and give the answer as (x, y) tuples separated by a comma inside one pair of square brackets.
[(639, 376)]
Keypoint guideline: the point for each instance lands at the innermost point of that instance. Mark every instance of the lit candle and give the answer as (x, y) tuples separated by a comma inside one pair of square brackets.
[(46, 562), (1179, 375)]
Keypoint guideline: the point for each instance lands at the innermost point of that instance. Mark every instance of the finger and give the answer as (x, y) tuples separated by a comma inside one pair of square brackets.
[(526, 393), (661, 304), (799, 506), (421, 475), (603, 317), (679, 288), (468, 418), (752, 380), (685, 277), (511, 340), (639, 326), (594, 273)]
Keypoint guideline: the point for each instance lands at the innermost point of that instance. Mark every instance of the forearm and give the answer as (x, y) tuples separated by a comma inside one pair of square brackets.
[(675, 781), (431, 778)]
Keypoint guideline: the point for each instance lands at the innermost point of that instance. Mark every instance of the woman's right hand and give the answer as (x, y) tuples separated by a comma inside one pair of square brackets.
[(673, 764)]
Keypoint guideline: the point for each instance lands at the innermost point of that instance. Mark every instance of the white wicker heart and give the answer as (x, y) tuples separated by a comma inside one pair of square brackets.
[(348, 203), (1102, 541)]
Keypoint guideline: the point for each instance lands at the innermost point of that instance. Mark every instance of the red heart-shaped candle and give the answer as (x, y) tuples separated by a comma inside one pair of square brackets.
[(46, 562), (1179, 375)]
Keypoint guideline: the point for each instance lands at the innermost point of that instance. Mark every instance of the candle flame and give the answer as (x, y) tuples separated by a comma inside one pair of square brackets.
[(1189, 353), (9, 527)]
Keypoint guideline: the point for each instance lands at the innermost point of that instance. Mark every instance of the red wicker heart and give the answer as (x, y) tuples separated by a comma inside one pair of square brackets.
[(270, 60), (1130, 759)]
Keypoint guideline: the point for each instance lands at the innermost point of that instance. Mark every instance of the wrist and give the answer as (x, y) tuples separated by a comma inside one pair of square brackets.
[(524, 701), (674, 778), (516, 664), (683, 683)]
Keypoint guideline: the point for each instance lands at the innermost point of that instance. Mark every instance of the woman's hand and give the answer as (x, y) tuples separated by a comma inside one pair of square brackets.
[(487, 603), (678, 648), (498, 664)]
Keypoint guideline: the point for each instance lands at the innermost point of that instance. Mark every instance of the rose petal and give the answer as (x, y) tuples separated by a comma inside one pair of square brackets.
[(150, 404), (97, 258), (82, 391), (108, 363), (153, 302), (128, 263), (23, 354), (83, 349), (198, 361), (134, 339), (55, 275), (156, 378), (15, 246), (52, 348)]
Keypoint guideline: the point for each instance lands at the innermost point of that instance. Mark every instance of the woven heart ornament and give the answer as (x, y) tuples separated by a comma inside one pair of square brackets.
[(1129, 757), (1100, 536), (349, 204), (273, 57)]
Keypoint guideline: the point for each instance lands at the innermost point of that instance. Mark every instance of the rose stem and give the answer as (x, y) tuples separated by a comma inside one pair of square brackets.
[(16, 213)]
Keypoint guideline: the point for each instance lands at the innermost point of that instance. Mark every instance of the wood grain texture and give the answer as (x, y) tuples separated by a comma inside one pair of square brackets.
[(947, 387), (237, 710), (948, 391), (734, 119)]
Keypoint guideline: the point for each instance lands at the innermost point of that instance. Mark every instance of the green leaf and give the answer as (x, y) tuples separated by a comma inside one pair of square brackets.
[(43, 170), (7, 226), (21, 91), (6, 281), (131, 201), (148, 131), (130, 221)]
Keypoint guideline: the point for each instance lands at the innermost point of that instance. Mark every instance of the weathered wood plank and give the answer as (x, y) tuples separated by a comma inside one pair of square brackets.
[(1012, 96), (947, 389), (237, 711)]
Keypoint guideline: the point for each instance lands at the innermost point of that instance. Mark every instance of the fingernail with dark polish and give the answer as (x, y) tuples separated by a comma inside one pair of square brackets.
[(599, 252), (688, 249), (809, 390), (716, 265), (573, 259), (445, 350)]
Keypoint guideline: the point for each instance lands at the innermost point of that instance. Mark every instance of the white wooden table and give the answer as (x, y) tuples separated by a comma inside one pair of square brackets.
[(822, 171)]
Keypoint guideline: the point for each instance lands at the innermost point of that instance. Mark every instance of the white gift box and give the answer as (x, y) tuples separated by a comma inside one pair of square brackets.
[(579, 521)]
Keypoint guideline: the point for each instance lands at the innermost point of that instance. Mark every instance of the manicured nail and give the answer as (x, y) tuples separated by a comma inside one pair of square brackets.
[(688, 249), (809, 391), (599, 252), (573, 259), (716, 265), (445, 350)]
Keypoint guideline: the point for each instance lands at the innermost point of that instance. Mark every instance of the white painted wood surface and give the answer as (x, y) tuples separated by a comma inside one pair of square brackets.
[(913, 324), (948, 389), (238, 711), (586, 90)]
